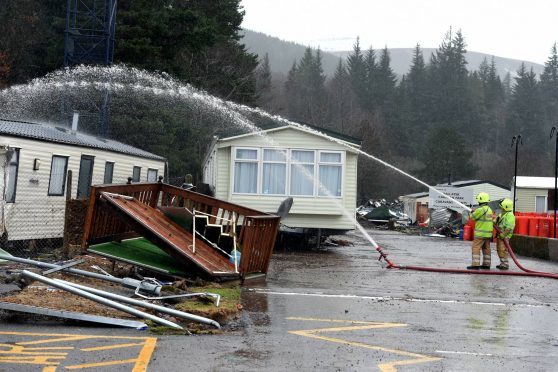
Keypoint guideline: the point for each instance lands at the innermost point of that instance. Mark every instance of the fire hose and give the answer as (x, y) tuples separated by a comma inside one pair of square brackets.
[(525, 272)]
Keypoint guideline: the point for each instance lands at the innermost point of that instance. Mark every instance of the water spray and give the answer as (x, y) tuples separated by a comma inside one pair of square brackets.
[(142, 81)]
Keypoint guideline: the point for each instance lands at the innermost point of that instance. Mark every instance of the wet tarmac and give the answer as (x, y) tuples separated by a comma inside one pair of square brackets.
[(339, 310)]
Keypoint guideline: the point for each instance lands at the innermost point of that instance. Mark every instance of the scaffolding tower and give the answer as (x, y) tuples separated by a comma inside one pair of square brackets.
[(89, 40), (90, 31)]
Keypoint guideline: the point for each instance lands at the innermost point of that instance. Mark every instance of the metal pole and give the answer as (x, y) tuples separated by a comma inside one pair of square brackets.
[(143, 304), (101, 300), (555, 134), (516, 140), (127, 282)]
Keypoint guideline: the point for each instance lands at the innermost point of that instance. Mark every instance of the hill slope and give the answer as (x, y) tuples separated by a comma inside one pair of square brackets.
[(282, 54)]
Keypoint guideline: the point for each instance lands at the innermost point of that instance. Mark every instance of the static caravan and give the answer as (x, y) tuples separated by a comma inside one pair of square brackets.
[(534, 194), (35, 160), (260, 170)]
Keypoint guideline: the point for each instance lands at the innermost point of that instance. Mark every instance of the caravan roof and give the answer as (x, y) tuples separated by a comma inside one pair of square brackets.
[(56, 134)]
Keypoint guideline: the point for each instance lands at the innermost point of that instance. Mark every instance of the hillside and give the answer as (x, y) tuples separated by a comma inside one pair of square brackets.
[(282, 54)]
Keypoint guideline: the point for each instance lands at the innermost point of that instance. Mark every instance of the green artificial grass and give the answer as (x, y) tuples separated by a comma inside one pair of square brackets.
[(140, 252)]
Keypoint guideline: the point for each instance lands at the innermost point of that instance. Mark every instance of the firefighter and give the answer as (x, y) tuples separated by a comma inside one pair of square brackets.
[(483, 233), (506, 223)]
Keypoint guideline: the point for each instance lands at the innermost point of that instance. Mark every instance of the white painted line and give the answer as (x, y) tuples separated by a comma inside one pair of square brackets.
[(389, 298), (462, 352)]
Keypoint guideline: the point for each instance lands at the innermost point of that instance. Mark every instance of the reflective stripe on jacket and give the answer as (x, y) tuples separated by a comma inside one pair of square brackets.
[(506, 221), (484, 225)]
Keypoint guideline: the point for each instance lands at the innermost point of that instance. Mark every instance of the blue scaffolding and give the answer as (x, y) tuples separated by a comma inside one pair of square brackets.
[(89, 40), (90, 32)]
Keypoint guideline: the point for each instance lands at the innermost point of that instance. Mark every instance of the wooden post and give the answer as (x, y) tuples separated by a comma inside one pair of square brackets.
[(66, 243)]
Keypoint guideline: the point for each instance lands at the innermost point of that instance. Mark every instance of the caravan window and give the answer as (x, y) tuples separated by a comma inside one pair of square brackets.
[(11, 182), (302, 172), (246, 171), (85, 176), (57, 181), (136, 173), (109, 170), (151, 175), (274, 172), (330, 173)]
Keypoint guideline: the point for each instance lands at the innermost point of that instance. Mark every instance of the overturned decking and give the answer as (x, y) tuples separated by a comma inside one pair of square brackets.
[(119, 212), (153, 225)]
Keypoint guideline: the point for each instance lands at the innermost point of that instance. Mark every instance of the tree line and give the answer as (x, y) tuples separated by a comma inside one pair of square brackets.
[(442, 120)]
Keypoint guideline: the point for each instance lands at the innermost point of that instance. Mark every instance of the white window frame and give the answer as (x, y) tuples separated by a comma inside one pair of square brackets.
[(342, 173), (134, 178), (105, 174), (288, 164), (261, 165), (258, 167), (151, 170), (545, 203), (7, 179), (62, 193), (292, 163)]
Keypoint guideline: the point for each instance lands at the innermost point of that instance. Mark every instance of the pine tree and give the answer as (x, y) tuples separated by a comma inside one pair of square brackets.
[(414, 96), (263, 83), (342, 102), (357, 70), (525, 110), (448, 82), (549, 89), (305, 88), (386, 81), (369, 100)]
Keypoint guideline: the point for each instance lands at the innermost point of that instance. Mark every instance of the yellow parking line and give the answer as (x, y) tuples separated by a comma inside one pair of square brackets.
[(102, 364), (61, 339), (145, 355), (50, 348), (384, 367), (110, 347), (71, 335), (21, 350), (20, 354)]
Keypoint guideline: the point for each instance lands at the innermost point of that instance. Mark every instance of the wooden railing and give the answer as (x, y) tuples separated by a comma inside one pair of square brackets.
[(256, 230)]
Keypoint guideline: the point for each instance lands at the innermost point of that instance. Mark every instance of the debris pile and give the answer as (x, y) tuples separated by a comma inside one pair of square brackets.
[(384, 212), (71, 290)]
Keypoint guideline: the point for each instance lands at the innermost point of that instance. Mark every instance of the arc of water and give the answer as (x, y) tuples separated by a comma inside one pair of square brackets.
[(226, 108)]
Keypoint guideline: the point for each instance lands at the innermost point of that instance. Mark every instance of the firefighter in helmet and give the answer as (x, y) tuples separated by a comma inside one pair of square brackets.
[(506, 222), (483, 233)]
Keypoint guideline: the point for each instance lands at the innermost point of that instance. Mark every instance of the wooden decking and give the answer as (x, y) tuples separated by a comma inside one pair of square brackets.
[(118, 212), (167, 235)]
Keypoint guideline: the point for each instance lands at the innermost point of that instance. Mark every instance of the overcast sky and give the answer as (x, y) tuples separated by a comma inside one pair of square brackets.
[(524, 30)]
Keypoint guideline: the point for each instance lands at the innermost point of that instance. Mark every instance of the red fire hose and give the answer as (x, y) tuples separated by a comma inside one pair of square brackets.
[(526, 272)]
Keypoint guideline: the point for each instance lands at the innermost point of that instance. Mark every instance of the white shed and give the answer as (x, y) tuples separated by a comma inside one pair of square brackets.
[(494, 190), (534, 194), (261, 169), (34, 160), (414, 204)]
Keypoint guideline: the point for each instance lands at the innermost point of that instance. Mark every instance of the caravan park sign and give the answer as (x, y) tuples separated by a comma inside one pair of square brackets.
[(463, 195)]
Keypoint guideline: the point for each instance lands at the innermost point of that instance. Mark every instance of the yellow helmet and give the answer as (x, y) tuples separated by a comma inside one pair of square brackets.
[(483, 197), (506, 205)]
